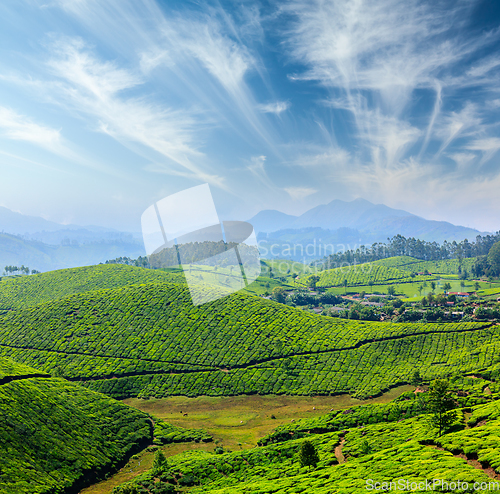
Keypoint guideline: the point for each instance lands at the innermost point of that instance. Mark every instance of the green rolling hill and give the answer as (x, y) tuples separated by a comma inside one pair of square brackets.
[(25, 291), (57, 436), (148, 339), (393, 270)]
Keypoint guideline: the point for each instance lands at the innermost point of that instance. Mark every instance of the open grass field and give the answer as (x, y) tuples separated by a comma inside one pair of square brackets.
[(239, 422)]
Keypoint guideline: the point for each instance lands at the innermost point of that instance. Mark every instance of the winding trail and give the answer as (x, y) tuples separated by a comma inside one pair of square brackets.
[(338, 451), (488, 470)]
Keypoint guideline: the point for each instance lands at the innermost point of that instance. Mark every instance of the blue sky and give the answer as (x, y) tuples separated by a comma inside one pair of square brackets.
[(109, 105)]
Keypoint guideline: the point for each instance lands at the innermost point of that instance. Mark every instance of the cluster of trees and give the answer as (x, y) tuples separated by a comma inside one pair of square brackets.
[(141, 261), (420, 249), (19, 270), (488, 265), (303, 297)]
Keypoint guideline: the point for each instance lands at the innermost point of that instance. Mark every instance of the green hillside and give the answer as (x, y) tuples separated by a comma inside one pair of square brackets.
[(363, 274), (56, 435), (448, 266), (53, 285), (10, 370), (382, 443), (149, 340)]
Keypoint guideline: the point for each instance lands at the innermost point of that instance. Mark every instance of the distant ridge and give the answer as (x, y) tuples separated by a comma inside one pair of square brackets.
[(373, 222)]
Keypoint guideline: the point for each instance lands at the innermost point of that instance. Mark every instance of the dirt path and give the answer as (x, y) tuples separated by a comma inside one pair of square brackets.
[(489, 471), (338, 451)]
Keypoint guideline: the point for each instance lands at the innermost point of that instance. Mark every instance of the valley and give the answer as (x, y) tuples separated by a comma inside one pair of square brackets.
[(230, 391)]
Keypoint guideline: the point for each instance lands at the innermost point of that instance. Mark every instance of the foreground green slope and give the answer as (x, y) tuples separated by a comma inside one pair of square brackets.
[(149, 340), (35, 289), (395, 447), (57, 436)]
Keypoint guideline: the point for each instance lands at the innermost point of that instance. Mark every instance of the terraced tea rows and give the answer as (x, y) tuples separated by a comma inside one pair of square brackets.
[(56, 435), (399, 451), (363, 274), (157, 343)]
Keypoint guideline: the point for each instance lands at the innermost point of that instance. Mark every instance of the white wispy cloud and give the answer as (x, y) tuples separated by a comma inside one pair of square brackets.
[(201, 55), (276, 107), (258, 170), (488, 147), (21, 128), (372, 57), (299, 193), (95, 88)]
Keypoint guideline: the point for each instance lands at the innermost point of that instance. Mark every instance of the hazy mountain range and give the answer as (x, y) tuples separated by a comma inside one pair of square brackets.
[(45, 245), (348, 223)]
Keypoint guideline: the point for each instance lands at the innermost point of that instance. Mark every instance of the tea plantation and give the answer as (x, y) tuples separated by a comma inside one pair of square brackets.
[(32, 290), (68, 336), (398, 448), (56, 435), (400, 269), (149, 340), (363, 274)]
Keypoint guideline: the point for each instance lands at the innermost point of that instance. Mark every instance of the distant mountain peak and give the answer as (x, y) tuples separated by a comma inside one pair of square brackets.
[(372, 220)]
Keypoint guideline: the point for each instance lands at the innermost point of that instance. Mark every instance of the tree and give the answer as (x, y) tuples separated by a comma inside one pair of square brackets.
[(345, 286), (477, 286), (312, 280), (365, 447), (391, 290), (370, 284), (278, 294), (494, 257), (462, 284), (440, 405), (416, 379), (160, 463), (433, 285), (447, 287), (420, 288), (308, 456)]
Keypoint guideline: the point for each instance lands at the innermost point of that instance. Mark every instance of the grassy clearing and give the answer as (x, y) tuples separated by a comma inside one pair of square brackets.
[(141, 463), (244, 420)]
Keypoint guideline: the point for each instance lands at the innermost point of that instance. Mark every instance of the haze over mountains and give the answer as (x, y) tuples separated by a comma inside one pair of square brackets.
[(45, 245), (357, 221)]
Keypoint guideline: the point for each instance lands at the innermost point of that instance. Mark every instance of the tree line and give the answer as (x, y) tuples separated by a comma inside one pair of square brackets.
[(8, 270), (419, 249)]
